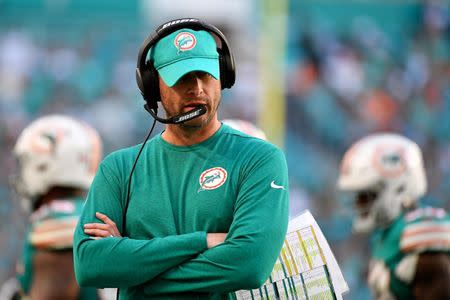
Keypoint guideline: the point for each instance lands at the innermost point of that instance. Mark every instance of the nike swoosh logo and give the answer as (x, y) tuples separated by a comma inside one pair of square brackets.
[(275, 186)]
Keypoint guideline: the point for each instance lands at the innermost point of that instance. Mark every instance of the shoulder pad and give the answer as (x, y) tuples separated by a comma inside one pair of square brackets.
[(425, 213), (426, 229)]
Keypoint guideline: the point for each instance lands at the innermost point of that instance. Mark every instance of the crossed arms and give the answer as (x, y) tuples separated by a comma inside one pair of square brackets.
[(194, 262)]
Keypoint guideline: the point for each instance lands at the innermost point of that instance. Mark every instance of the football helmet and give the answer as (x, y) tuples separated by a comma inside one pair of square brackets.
[(55, 150), (386, 173), (246, 127)]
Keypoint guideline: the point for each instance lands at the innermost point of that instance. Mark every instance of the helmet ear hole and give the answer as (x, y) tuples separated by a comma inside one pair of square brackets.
[(42, 167), (400, 189)]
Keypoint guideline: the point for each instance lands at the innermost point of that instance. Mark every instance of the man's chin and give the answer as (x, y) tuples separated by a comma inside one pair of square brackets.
[(196, 123)]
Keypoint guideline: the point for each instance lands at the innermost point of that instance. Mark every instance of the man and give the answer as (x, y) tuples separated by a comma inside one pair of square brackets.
[(57, 159), (411, 244), (207, 210)]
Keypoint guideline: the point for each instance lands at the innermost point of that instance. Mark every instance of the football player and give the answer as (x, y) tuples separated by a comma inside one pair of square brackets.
[(411, 243), (57, 158)]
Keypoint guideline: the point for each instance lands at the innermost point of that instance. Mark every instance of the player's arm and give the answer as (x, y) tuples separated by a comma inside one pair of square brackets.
[(246, 258), (432, 277), (53, 276), (427, 266), (123, 262)]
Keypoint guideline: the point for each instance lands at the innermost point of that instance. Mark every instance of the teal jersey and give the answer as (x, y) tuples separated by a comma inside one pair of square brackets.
[(425, 229), (230, 183), (51, 229)]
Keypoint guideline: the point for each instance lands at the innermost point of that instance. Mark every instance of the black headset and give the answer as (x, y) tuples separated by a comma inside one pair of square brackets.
[(146, 74)]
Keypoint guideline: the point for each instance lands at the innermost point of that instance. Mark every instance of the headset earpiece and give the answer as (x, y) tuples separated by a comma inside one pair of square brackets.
[(227, 77), (152, 84), (147, 81)]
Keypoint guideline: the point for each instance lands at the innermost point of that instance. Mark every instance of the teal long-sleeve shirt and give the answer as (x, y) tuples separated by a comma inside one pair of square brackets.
[(229, 183)]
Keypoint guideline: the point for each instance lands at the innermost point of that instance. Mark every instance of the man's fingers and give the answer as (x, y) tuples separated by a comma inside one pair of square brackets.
[(107, 228), (97, 226), (112, 226), (97, 232), (104, 218)]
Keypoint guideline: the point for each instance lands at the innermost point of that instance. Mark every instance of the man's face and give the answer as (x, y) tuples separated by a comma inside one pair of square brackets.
[(193, 89)]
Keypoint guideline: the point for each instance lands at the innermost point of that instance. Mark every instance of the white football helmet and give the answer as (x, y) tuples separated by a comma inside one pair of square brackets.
[(54, 151), (386, 173), (246, 127)]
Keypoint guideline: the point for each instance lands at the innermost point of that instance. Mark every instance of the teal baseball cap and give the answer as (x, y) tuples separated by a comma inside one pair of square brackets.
[(184, 51)]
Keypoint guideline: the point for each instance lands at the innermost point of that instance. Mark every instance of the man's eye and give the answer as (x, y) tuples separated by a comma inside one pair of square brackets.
[(191, 76), (182, 79), (204, 75), (186, 78)]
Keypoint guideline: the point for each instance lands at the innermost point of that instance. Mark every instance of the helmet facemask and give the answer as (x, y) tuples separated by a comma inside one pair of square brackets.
[(378, 206), (363, 204)]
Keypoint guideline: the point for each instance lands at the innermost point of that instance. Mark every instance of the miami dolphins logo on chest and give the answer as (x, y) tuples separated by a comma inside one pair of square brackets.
[(212, 179)]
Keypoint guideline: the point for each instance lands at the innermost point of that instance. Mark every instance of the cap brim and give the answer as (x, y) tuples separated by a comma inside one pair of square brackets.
[(173, 72)]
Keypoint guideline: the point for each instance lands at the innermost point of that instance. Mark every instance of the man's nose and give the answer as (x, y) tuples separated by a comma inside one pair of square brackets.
[(195, 85)]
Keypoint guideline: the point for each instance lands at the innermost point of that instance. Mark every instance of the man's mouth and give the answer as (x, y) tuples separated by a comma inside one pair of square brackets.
[(192, 106)]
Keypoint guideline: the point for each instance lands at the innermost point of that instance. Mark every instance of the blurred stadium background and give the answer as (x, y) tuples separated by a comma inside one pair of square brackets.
[(315, 74)]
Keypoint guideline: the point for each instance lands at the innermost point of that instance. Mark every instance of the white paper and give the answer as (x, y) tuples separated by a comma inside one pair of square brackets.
[(302, 266)]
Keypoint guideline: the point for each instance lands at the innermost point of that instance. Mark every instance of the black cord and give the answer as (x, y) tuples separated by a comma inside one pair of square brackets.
[(124, 216)]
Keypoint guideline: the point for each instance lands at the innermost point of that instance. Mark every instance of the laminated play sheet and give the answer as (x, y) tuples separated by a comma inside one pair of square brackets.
[(305, 269)]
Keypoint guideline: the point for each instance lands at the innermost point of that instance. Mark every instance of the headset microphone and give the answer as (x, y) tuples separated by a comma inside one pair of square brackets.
[(184, 117)]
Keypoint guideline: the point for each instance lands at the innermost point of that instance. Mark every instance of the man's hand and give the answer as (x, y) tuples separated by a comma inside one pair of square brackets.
[(98, 230), (214, 239)]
